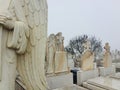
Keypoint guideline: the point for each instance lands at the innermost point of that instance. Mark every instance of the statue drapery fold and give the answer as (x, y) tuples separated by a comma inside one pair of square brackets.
[(30, 65), (19, 38)]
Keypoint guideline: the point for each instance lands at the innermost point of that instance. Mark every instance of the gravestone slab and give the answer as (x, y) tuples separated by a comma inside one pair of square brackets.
[(61, 63)]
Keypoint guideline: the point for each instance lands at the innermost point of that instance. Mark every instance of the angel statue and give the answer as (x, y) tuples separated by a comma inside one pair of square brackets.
[(23, 36)]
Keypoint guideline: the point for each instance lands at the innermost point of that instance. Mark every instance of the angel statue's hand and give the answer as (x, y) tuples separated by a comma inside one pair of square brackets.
[(7, 22)]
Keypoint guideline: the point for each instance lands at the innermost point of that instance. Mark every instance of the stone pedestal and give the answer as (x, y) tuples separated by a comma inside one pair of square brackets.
[(83, 76), (59, 81), (61, 63)]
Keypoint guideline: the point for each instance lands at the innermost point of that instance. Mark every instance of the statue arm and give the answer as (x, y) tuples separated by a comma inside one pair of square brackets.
[(18, 38)]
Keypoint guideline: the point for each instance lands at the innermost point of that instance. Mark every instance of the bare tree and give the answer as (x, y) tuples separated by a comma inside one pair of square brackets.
[(75, 46)]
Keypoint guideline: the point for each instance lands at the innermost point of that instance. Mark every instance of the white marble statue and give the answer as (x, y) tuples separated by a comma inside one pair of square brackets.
[(23, 32), (87, 57), (59, 42), (51, 50), (56, 57), (107, 56)]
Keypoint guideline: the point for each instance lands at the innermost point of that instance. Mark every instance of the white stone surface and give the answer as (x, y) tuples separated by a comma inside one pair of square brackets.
[(116, 76), (91, 87), (56, 57), (87, 57), (50, 54), (72, 87), (61, 62), (107, 59), (117, 65), (24, 35), (60, 81), (105, 83), (105, 71), (59, 42), (83, 76)]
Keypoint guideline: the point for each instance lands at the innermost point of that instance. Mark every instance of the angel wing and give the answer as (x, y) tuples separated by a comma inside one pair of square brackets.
[(31, 64)]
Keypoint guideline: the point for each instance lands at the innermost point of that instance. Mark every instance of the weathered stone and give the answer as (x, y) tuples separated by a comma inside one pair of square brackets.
[(59, 81), (105, 83), (61, 63), (50, 57), (105, 71), (87, 58), (59, 42), (107, 60), (83, 76), (72, 87), (23, 43), (56, 57), (87, 61)]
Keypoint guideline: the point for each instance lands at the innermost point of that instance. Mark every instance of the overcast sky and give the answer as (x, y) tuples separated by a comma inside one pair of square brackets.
[(100, 18)]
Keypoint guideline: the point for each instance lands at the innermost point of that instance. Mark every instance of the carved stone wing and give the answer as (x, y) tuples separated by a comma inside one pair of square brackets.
[(31, 65)]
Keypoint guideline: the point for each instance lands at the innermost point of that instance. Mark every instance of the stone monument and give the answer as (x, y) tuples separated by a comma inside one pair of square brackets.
[(57, 72), (50, 57), (108, 68), (87, 57), (87, 70), (56, 58), (107, 61), (59, 42), (23, 35)]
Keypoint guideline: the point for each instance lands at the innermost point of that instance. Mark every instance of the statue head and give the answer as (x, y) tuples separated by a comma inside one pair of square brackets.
[(51, 37), (59, 34)]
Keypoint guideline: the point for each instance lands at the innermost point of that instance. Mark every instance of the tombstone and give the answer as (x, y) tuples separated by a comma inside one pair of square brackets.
[(61, 63), (107, 61), (87, 57), (88, 67), (56, 57), (108, 68), (50, 57), (61, 60), (58, 74)]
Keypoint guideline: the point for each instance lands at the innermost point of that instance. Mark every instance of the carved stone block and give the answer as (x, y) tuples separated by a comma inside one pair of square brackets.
[(61, 64)]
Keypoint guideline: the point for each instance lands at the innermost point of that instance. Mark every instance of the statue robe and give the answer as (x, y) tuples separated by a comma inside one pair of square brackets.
[(31, 18)]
